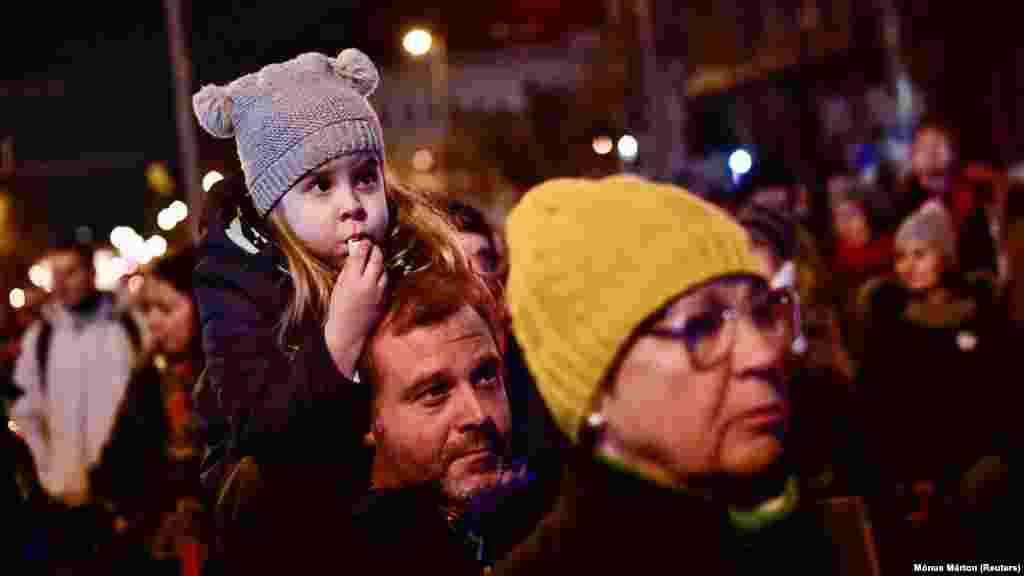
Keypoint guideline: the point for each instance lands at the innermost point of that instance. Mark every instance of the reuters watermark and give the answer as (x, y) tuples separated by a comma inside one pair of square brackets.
[(969, 568)]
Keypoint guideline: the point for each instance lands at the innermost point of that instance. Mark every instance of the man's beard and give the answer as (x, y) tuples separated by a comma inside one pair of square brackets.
[(462, 490), (481, 476)]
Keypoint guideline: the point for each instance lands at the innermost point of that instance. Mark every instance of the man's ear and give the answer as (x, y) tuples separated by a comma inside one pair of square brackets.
[(369, 439)]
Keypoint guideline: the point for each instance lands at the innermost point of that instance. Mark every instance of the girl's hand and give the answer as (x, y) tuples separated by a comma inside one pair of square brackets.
[(357, 303)]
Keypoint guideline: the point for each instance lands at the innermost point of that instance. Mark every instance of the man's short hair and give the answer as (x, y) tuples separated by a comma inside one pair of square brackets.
[(429, 297)]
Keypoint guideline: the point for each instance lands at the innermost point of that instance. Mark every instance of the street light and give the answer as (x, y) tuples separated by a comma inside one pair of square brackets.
[(421, 43), (41, 276), (417, 41), (628, 148), (157, 246), (740, 161), (211, 178), (17, 298), (178, 210), (121, 237), (165, 220)]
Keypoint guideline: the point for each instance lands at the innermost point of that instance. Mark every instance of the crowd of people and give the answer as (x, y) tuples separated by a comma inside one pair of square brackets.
[(349, 374)]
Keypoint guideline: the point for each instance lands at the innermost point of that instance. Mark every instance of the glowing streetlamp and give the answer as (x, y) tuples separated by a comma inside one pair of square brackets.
[(122, 236), (17, 298), (740, 161), (156, 245), (165, 220), (422, 45), (41, 276), (178, 210), (628, 148), (417, 42), (211, 178)]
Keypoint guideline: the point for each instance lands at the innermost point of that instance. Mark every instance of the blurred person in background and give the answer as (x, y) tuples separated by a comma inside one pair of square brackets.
[(771, 185), (167, 303), (936, 171), (74, 366), (773, 240), (766, 202), (820, 372), (860, 251), (82, 343), (148, 475), (931, 404), (479, 241)]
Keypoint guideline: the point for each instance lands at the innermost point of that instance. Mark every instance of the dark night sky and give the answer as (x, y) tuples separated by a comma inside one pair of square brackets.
[(117, 105)]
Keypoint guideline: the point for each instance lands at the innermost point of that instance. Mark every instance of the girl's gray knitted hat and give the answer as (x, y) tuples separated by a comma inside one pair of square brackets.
[(291, 117)]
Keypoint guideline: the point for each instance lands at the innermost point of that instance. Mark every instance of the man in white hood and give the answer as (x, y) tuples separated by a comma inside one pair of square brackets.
[(73, 368)]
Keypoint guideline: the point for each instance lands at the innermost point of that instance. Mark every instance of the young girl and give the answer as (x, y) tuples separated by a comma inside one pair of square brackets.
[(293, 272)]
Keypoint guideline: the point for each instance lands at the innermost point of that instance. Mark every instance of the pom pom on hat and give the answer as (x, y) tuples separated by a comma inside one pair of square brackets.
[(213, 110), (291, 117), (356, 67)]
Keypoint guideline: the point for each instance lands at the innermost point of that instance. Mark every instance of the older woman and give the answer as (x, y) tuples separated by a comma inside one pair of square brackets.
[(657, 345)]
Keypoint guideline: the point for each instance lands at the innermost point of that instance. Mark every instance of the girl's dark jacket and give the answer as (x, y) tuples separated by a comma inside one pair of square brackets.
[(277, 402)]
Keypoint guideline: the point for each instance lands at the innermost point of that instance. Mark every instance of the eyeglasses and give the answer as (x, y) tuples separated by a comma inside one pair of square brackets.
[(709, 335)]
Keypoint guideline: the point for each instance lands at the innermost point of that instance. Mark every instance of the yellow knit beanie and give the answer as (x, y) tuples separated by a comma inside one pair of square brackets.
[(590, 260)]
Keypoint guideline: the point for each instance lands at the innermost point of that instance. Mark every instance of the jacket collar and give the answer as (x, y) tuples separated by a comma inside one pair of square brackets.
[(233, 252)]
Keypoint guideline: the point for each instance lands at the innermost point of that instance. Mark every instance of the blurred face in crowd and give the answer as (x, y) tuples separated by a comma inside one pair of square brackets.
[(699, 392), (73, 277), (919, 265), (440, 410), (931, 158), (851, 223), (170, 315), (343, 198), (483, 257)]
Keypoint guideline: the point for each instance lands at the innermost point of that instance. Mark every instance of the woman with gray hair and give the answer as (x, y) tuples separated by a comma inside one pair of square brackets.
[(934, 349)]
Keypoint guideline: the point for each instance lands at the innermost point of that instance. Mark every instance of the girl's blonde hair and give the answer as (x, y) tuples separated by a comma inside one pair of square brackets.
[(419, 236)]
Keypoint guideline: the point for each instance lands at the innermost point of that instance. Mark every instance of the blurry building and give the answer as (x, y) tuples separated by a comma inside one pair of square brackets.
[(416, 97)]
